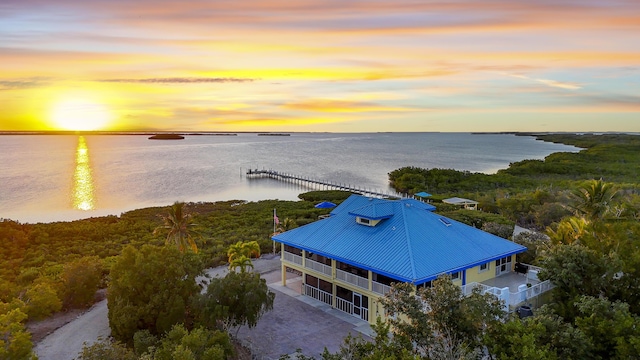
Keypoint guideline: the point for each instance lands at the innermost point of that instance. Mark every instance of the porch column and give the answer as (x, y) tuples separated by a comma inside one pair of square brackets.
[(283, 274), (333, 283), (304, 256), (334, 266), (370, 280), (333, 295)]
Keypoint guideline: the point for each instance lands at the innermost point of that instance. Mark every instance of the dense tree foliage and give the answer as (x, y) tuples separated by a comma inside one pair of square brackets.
[(544, 336), (440, 319), (151, 288), (41, 300), (180, 343), (15, 341), (81, 279), (234, 300), (106, 350), (177, 344)]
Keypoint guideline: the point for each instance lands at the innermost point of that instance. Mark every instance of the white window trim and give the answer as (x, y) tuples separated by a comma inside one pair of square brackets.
[(481, 270)]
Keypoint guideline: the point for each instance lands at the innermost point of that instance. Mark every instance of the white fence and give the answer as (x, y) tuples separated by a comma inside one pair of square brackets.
[(529, 293), (316, 266), (318, 294), (344, 305), (352, 279), (510, 298), (293, 258), (468, 288)]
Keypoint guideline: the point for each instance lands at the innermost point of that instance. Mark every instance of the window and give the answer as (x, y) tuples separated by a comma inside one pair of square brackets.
[(363, 221), (483, 268), (455, 276), (503, 261)]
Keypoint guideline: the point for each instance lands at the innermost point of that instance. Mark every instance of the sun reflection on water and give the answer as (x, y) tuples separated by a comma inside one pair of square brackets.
[(83, 198)]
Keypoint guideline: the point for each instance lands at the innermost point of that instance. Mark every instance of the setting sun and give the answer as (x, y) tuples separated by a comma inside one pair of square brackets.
[(80, 114)]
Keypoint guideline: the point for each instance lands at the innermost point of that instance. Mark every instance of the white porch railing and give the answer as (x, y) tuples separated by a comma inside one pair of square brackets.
[(365, 314), (344, 305), (510, 298), (318, 294), (352, 279), (532, 267), (468, 288), (529, 293), (316, 266), (379, 288), (292, 258)]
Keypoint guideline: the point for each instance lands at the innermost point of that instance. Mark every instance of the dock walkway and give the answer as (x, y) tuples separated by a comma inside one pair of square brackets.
[(322, 184)]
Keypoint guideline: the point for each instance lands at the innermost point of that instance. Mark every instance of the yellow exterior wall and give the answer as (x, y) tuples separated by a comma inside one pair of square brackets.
[(473, 274), (375, 308)]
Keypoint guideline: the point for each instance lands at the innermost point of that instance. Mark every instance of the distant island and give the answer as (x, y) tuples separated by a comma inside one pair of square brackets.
[(166, 137), (274, 134)]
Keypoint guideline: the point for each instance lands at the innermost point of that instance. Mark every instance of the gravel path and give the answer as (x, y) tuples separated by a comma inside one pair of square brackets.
[(66, 342)]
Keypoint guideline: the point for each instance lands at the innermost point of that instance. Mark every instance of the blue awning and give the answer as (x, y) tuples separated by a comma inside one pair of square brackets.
[(325, 205), (423, 194)]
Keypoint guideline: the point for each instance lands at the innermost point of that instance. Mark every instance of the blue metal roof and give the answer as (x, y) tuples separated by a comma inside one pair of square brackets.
[(375, 211), (410, 243)]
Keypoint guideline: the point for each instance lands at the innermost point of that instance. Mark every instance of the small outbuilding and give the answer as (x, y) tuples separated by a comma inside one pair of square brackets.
[(463, 203)]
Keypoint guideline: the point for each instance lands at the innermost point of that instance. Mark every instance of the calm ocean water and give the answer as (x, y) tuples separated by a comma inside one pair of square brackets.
[(51, 178)]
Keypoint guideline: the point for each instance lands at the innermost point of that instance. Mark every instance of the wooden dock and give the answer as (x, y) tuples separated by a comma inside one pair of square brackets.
[(322, 184)]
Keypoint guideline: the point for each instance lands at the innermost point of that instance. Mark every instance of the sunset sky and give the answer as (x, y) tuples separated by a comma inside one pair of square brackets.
[(319, 65)]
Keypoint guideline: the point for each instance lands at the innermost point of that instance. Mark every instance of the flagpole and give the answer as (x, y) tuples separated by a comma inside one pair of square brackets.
[(274, 231)]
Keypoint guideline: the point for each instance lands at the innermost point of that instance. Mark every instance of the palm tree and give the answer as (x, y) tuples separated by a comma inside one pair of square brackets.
[(178, 226), (251, 249), (241, 252), (242, 262), (570, 231), (235, 251), (594, 199)]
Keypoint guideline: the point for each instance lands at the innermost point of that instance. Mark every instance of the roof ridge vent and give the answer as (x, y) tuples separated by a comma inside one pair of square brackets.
[(446, 222)]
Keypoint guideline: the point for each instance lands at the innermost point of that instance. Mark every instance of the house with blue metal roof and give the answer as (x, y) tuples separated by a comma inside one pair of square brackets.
[(349, 259)]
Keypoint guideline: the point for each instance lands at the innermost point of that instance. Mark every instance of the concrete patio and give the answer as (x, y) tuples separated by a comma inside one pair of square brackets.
[(298, 322), (511, 280)]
